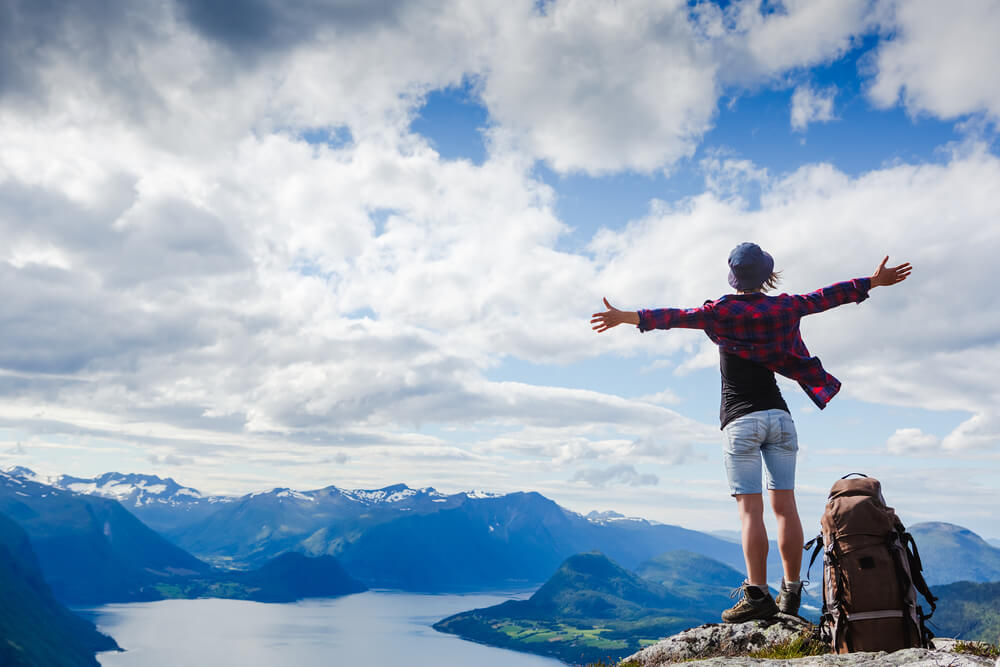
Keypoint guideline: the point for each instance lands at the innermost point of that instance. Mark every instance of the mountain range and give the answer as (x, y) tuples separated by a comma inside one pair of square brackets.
[(457, 541), (453, 542), (90, 544), (91, 549), (160, 502)]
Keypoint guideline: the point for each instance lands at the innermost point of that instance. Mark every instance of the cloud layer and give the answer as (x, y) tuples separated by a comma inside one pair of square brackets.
[(182, 269)]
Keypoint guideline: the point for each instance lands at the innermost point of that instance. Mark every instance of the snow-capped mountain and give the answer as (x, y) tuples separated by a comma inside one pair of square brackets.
[(207, 522), (160, 502), (91, 548), (128, 489), (133, 490)]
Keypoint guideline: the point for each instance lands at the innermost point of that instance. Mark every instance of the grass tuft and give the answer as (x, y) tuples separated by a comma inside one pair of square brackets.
[(796, 647), (981, 649)]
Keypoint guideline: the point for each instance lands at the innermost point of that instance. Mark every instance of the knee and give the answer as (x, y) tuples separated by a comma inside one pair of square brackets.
[(783, 503), (751, 506)]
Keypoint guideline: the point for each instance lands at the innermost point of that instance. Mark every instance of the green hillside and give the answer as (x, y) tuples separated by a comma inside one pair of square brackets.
[(968, 610), (591, 609), (692, 575), (286, 578), (35, 629)]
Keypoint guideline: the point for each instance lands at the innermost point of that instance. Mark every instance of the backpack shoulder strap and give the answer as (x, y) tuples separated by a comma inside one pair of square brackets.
[(818, 541), (916, 571)]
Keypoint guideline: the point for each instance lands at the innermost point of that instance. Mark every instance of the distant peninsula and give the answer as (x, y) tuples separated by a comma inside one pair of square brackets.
[(592, 609)]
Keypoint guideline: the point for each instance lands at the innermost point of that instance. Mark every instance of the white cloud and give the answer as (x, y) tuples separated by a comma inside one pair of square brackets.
[(756, 40), (600, 86), (727, 176), (617, 474), (912, 441), (941, 58), (584, 84), (665, 397), (706, 357), (811, 106), (980, 431)]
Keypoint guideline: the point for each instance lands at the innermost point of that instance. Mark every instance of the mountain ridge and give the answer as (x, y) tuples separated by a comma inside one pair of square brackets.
[(35, 628), (91, 549), (458, 541)]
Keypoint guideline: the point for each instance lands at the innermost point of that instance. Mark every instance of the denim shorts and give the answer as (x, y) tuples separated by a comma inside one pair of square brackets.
[(766, 433)]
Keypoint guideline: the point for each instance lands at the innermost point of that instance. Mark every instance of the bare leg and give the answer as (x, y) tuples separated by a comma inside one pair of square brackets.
[(751, 510), (789, 532)]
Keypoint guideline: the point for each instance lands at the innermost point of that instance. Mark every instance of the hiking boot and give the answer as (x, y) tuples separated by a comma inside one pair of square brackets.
[(790, 598), (756, 603)]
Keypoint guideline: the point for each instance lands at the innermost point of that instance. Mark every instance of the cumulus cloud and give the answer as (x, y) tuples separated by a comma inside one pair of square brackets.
[(912, 441), (582, 84), (757, 40), (728, 176), (940, 59), (811, 106), (980, 431), (611, 86), (617, 474)]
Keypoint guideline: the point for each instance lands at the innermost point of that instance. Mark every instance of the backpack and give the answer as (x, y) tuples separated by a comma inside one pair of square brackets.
[(871, 573)]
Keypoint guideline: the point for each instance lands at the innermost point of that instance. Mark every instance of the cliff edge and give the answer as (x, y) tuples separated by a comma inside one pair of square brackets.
[(758, 643)]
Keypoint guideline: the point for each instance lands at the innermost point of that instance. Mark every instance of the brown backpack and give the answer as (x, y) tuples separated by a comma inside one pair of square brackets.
[(871, 573)]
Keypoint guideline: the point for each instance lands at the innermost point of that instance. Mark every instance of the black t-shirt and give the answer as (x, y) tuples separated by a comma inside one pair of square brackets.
[(746, 387)]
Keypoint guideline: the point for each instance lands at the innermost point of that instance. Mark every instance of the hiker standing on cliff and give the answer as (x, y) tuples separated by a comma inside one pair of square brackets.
[(757, 336)]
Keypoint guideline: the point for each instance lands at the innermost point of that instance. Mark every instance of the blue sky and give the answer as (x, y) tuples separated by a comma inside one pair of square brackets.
[(358, 245)]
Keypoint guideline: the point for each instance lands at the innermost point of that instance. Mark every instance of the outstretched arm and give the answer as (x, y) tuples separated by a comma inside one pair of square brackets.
[(851, 291), (661, 318), (884, 277), (612, 317)]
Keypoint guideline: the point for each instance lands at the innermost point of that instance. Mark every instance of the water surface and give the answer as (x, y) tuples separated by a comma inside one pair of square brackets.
[(369, 629)]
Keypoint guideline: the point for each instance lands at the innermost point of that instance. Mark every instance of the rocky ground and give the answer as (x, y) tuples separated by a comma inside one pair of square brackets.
[(730, 644)]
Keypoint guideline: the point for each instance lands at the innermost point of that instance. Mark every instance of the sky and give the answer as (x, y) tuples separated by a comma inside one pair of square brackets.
[(298, 243)]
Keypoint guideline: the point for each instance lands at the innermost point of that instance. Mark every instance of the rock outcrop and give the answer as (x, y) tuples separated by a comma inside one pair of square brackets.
[(731, 645)]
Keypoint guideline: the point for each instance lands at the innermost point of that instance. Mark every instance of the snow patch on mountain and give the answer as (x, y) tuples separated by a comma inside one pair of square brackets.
[(298, 495), (610, 516), (20, 472), (477, 495)]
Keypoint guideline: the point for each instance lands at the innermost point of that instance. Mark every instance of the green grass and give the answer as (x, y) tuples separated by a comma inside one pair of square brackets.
[(796, 647), (982, 649), (535, 632)]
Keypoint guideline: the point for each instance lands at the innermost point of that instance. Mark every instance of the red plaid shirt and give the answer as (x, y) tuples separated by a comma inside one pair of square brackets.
[(765, 329)]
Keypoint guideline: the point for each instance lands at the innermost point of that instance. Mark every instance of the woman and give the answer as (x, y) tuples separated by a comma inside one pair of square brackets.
[(757, 336)]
